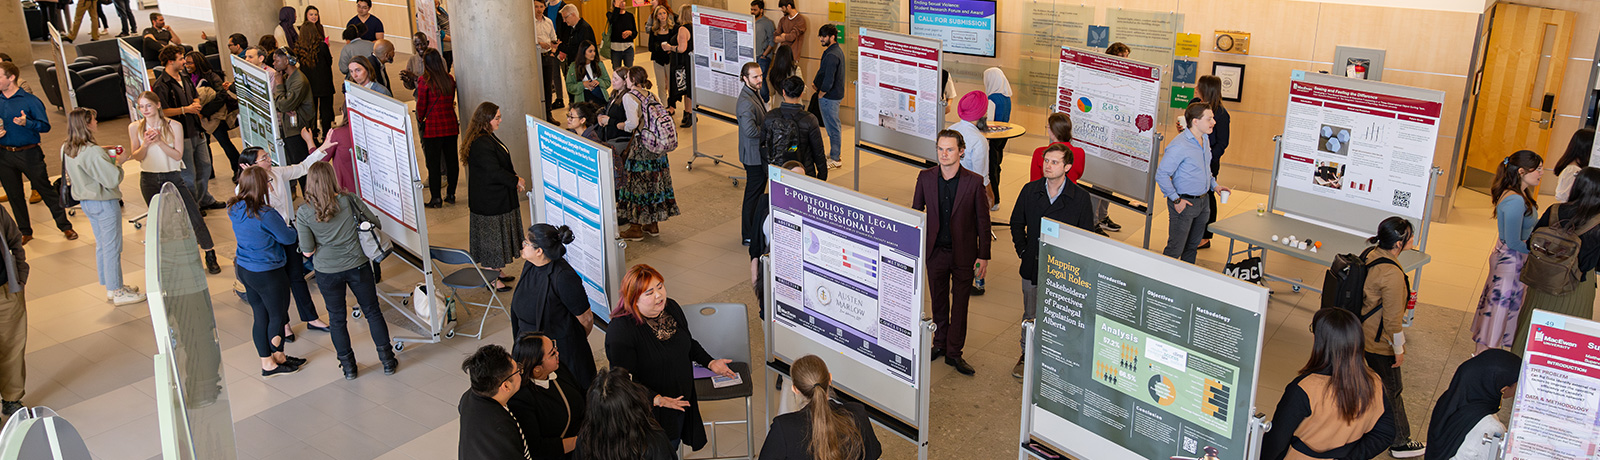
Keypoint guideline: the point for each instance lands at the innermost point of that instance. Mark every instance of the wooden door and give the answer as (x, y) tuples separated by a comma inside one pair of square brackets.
[(1518, 85)]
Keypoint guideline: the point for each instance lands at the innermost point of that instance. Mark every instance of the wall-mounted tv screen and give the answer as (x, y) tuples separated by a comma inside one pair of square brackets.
[(965, 26)]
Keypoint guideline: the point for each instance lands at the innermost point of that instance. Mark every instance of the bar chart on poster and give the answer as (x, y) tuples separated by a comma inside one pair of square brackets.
[(385, 161), (899, 84)]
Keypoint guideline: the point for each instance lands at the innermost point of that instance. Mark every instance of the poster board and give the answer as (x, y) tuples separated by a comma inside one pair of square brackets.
[(576, 189), (135, 78), (897, 92), (69, 95), (258, 113), (1115, 105), (1138, 355), (963, 26), (724, 42), (846, 279), (1556, 414), (426, 18), (1359, 150), (386, 164)]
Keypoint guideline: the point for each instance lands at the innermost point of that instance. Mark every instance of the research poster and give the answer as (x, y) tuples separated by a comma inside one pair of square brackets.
[(965, 26), (1365, 148), (724, 42), (1150, 35), (135, 79), (1113, 103), (1557, 411), (69, 94), (898, 84), (385, 161), (869, 14), (258, 122), (1140, 356), (426, 17), (574, 192), (847, 278)]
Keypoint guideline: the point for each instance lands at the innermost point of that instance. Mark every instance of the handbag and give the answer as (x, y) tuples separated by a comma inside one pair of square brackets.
[(373, 244), (63, 184), (605, 45)]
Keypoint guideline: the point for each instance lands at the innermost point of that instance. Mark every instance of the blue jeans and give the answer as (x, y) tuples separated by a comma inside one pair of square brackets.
[(105, 217), (766, 94), (830, 118), (196, 170), (362, 284)]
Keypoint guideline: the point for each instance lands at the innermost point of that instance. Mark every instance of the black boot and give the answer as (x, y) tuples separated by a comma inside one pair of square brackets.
[(348, 364), (386, 356), (211, 262)]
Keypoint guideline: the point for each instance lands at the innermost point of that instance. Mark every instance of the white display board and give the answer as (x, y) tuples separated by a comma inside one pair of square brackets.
[(1137, 355), (135, 78), (1364, 147), (898, 89), (576, 189), (847, 280), (258, 113), (1114, 104), (69, 95), (386, 163), (1557, 410), (723, 43)]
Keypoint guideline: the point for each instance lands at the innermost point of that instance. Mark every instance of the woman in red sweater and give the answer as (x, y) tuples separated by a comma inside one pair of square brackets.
[(1060, 133)]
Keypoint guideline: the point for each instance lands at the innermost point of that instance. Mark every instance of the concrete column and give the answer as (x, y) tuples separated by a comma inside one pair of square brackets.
[(14, 34), (253, 18), (496, 61)]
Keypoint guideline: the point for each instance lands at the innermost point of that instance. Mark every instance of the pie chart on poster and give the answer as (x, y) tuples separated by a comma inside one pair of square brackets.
[(813, 244), (1162, 390)]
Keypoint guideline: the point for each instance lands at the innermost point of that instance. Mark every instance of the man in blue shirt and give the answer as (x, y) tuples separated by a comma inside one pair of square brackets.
[(372, 26), (1185, 177), (829, 84), (22, 119)]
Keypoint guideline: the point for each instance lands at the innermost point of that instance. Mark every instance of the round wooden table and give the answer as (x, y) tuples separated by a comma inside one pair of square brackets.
[(1003, 130)]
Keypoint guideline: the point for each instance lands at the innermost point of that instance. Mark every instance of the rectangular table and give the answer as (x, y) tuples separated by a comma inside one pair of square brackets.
[(1257, 231)]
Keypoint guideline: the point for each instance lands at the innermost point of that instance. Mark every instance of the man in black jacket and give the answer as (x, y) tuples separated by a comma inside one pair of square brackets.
[(488, 430), (1057, 198), (581, 32), (807, 145)]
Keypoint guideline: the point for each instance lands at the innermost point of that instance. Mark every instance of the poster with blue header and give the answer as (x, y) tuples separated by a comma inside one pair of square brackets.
[(965, 26), (574, 187)]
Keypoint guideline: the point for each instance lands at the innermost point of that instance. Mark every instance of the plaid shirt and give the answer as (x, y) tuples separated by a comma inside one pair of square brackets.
[(436, 111)]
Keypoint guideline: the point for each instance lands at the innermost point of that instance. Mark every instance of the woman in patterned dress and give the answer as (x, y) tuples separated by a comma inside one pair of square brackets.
[(1516, 184), (645, 196)]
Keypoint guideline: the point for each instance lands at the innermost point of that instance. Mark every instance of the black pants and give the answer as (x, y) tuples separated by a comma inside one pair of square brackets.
[(269, 303), (295, 150), (324, 105), (1211, 217), (295, 268), (14, 165), (53, 13), (440, 155), (550, 67), (150, 184), (1383, 365), (228, 149), (997, 152), (361, 282), (755, 187), (125, 14)]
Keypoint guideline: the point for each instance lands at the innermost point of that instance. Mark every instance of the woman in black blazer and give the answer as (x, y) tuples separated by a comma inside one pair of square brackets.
[(848, 434), (550, 405), (551, 299), (650, 336), (492, 187)]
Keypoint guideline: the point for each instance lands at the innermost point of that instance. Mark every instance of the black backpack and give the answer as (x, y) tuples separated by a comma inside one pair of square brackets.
[(1344, 285), (780, 140)]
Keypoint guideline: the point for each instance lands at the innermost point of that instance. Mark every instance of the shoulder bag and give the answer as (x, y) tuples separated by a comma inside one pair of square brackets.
[(373, 244), (63, 184)]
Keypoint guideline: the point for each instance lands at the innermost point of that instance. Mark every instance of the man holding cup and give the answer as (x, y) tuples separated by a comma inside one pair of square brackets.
[(1185, 176)]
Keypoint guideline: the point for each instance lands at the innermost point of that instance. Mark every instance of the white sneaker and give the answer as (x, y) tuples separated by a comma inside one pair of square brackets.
[(112, 293), (835, 164), (123, 297)]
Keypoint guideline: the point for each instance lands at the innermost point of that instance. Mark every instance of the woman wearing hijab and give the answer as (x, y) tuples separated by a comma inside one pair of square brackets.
[(1466, 411), (999, 90), (285, 34)]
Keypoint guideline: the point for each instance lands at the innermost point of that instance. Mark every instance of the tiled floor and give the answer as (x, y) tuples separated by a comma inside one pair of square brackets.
[(93, 363)]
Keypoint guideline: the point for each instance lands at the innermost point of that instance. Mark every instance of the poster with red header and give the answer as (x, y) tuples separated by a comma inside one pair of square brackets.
[(899, 83), (1365, 148), (1113, 103), (1557, 411), (723, 43)]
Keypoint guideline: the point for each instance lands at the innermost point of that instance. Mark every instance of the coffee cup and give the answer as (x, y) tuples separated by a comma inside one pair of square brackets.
[(1222, 196)]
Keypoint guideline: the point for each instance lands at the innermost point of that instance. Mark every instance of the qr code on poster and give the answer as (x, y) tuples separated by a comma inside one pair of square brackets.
[(1402, 199)]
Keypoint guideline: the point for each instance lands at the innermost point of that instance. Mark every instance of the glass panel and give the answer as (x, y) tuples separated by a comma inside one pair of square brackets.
[(186, 331), (1546, 50)]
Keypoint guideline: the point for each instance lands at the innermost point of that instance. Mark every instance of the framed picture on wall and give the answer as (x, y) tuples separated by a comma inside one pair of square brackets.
[(1232, 76)]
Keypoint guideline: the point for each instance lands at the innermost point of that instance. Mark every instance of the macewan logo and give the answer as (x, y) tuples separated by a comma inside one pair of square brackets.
[(1552, 340)]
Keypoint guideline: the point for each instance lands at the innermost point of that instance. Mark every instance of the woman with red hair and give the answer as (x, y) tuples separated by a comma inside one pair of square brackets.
[(650, 337)]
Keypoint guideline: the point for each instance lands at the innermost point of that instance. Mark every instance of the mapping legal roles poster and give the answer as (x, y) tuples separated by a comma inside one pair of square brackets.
[(1557, 410), (258, 123), (383, 154), (135, 79), (1370, 149), (724, 42), (848, 279), (899, 84), (569, 169), (965, 26), (1151, 369), (1113, 104)]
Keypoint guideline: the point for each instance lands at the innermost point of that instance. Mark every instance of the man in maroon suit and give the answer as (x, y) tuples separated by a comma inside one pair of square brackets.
[(957, 249)]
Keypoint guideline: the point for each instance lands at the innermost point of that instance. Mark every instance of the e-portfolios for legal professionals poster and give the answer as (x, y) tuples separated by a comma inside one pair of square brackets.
[(847, 278), (723, 44), (1132, 365), (1365, 148), (1557, 410), (1113, 104), (899, 84), (965, 26)]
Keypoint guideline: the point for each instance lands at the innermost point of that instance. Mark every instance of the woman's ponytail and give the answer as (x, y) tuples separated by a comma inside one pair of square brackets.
[(834, 435)]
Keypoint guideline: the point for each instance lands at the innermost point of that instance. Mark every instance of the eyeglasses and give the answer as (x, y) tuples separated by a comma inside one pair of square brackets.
[(513, 375)]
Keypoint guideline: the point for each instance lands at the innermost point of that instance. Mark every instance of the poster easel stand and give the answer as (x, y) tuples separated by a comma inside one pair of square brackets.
[(402, 301), (694, 136), (1147, 209)]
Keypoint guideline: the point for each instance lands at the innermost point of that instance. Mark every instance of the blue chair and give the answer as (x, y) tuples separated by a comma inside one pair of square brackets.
[(470, 277)]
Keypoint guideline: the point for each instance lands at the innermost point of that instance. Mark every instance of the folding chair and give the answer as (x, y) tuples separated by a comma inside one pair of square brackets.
[(724, 331), (471, 277)]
